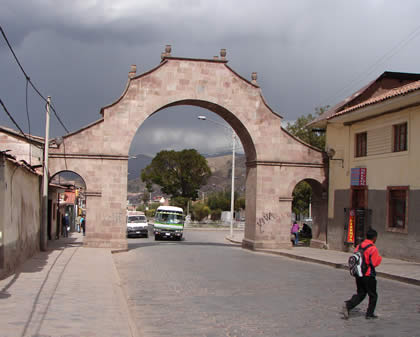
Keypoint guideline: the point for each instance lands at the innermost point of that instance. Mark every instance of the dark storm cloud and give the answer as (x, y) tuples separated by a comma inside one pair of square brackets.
[(305, 52)]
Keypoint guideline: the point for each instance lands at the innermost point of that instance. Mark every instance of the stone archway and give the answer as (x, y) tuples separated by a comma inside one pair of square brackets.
[(99, 151)]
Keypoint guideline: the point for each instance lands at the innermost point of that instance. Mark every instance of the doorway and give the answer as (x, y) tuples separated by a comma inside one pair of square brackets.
[(359, 198)]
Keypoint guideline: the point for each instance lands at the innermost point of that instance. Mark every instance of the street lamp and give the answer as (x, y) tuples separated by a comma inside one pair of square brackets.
[(232, 195)]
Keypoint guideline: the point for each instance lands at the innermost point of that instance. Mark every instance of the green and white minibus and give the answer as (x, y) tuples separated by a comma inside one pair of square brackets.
[(169, 222)]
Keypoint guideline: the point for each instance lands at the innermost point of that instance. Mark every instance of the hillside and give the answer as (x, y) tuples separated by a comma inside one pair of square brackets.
[(220, 166)]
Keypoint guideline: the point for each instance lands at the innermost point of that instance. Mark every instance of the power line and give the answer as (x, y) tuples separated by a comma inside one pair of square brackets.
[(29, 121), (369, 70), (12, 119), (28, 79), (58, 118)]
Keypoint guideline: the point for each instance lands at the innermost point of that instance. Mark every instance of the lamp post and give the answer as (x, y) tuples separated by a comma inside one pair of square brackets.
[(232, 195)]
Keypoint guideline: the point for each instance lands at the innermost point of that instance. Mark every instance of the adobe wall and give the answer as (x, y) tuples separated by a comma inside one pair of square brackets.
[(20, 206)]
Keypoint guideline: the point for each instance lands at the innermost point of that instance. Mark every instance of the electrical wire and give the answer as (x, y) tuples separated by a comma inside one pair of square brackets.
[(58, 118), (28, 79), (369, 70), (12, 119), (29, 123)]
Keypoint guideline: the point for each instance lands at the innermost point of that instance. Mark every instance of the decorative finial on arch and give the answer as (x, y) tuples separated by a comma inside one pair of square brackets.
[(132, 72), (223, 54), (168, 50), (254, 78)]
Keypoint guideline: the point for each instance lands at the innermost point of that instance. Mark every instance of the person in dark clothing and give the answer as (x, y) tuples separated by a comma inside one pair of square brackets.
[(64, 224), (366, 285), (84, 226)]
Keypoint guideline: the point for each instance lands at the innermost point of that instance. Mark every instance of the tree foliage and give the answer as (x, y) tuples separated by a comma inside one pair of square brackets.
[(178, 173), (301, 198), (200, 211), (221, 200), (303, 191), (179, 202), (301, 129)]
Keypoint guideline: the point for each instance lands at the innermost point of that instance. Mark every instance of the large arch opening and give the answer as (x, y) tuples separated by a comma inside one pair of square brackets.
[(177, 126)]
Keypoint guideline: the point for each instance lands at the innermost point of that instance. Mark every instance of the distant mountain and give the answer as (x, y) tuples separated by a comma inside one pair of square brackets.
[(221, 178), (220, 165)]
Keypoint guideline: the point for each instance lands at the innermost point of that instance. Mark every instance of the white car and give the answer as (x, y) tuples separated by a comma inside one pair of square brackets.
[(137, 225)]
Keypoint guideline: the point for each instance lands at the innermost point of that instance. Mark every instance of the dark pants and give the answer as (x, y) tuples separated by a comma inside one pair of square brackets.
[(365, 286)]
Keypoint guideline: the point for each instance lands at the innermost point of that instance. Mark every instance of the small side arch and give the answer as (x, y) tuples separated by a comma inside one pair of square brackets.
[(317, 208)]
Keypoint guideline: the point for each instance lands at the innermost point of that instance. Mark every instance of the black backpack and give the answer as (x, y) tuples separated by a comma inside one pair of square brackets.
[(357, 263)]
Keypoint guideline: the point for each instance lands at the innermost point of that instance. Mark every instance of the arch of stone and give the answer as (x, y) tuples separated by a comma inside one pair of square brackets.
[(276, 161)]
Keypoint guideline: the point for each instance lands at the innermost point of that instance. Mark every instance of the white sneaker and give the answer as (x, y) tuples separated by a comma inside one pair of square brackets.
[(345, 311)]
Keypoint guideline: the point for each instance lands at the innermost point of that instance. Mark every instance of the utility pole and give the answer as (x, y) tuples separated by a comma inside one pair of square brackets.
[(45, 180), (232, 195)]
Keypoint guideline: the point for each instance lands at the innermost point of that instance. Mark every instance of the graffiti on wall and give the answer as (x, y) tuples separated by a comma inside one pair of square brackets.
[(266, 218)]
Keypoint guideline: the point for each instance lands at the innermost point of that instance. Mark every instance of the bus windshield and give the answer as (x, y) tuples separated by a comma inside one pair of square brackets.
[(169, 218)]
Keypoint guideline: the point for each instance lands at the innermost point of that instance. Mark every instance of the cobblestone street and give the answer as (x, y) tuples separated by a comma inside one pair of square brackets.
[(204, 286)]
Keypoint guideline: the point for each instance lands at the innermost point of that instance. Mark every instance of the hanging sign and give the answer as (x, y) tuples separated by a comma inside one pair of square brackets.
[(358, 176), (69, 197), (350, 228)]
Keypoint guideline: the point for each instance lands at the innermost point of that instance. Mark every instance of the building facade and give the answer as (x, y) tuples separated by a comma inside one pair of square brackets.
[(373, 145)]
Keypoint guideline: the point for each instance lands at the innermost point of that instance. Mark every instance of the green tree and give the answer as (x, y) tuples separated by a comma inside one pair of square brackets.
[(216, 214), (178, 173), (301, 198), (179, 202), (145, 196), (239, 203), (301, 129), (220, 200), (200, 211)]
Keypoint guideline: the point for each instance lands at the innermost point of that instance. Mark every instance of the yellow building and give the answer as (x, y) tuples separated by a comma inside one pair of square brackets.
[(373, 145)]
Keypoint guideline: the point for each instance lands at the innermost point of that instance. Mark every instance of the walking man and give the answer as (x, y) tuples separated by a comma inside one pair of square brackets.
[(366, 285)]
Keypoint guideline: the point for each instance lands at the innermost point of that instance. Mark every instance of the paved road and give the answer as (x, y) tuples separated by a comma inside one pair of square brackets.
[(203, 286)]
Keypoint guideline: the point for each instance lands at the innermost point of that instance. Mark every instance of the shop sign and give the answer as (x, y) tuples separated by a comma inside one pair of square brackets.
[(350, 228), (358, 176), (69, 197)]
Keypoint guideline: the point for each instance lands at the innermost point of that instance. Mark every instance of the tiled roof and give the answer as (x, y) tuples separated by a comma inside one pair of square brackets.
[(405, 89), (408, 83), (400, 91)]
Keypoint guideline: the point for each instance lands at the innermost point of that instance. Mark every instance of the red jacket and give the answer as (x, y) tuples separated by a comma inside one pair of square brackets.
[(371, 255)]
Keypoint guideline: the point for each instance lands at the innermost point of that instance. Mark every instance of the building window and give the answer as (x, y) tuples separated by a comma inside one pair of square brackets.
[(397, 198), (400, 137), (361, 144)]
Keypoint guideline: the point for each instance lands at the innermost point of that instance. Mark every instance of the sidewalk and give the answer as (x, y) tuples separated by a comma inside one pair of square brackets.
[(399, 270), (67, 291)]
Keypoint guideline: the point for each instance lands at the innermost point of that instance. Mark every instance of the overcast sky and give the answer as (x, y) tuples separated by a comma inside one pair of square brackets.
[(307, 54)]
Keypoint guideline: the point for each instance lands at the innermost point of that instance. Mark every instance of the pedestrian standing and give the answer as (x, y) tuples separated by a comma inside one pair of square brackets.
[(84, 226), (79, 225), (64, 224), (294, 230), (366, 285)]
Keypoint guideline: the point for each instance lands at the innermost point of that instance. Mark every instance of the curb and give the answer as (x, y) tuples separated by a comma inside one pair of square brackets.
[(211, 229), (343, 266), (122, 297)]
